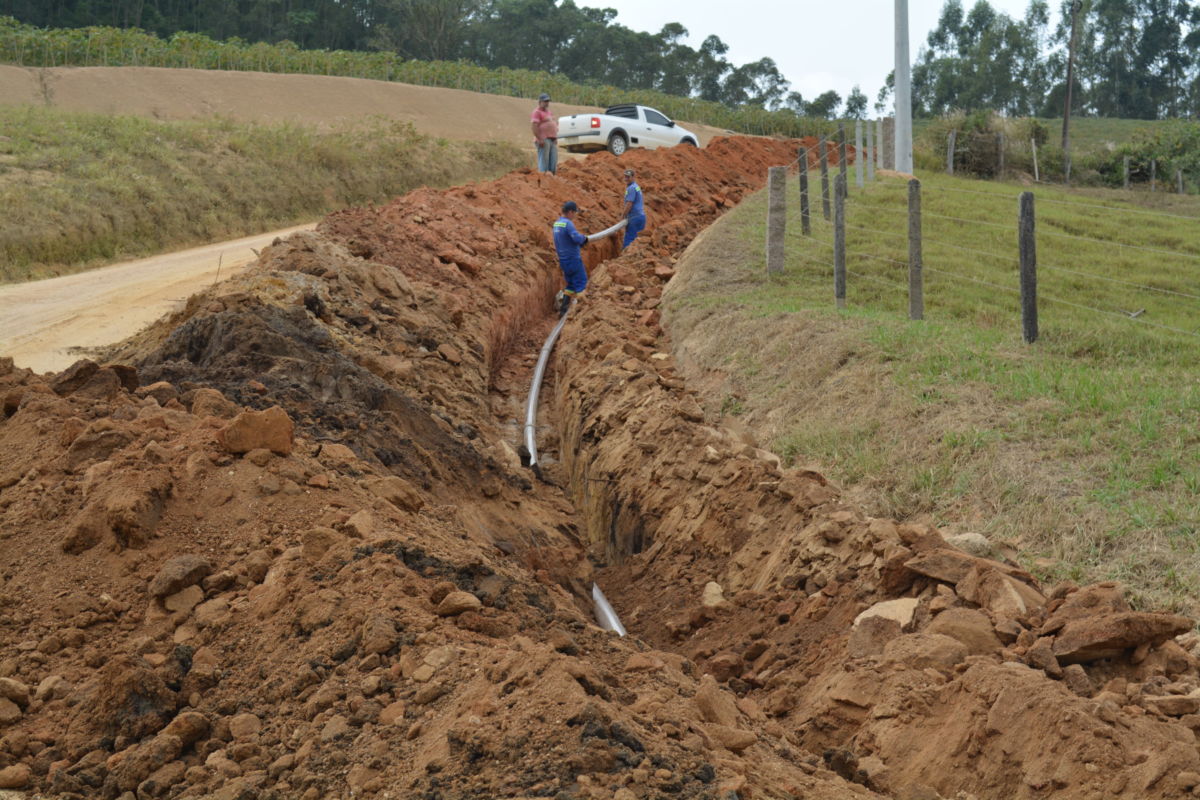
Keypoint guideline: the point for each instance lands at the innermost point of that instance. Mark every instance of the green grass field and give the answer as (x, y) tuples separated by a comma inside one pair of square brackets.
[(82, 189), (1081, 450)]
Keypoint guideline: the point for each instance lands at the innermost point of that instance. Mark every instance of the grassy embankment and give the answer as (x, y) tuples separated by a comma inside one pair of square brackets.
[(1081, 450), (82, 189)]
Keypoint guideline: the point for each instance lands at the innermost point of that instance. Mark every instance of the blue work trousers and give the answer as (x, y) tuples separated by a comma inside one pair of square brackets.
[(574, 274), (633, 228)]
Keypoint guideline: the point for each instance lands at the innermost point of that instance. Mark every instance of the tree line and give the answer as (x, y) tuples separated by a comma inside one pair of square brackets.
[(584, 44), (1135, 59)]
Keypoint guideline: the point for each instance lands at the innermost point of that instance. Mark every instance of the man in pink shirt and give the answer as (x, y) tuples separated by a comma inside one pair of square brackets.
[(545, 135)]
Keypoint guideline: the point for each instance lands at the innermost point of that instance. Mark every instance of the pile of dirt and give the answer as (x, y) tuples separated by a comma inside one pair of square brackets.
[(282, 545)]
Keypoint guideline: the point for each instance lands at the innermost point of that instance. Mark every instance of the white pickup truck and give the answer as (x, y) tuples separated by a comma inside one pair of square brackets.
[(620, 128)]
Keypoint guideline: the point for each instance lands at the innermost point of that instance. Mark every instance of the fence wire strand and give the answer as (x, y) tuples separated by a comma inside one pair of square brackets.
[(874, 279), (878, 258), (1120, 209), (1118, 314), (960, 276), (1118, 280), (966, 249), (969, 191), (1107, 243)]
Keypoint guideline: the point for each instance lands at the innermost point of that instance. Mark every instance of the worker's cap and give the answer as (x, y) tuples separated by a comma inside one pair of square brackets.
[(628, 173), (543, 96), (569, 206)]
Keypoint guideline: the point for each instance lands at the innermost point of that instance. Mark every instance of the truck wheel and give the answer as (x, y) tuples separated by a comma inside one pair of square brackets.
[(689, 141), (617, 144)]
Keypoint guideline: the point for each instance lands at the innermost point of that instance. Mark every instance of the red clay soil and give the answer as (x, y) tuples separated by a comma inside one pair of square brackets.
[(282, 545)]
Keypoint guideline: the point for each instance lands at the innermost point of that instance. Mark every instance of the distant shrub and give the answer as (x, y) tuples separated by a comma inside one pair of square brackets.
[(1172, 145)]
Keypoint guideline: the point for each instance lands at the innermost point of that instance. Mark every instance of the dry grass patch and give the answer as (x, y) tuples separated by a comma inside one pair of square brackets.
[(82, 189)]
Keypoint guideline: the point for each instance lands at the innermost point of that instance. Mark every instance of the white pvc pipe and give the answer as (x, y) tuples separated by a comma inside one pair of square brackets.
[(592, 237), (535, 388), (604, 612)]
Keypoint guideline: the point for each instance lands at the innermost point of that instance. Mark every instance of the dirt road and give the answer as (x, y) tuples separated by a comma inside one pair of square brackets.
[(44, 324)]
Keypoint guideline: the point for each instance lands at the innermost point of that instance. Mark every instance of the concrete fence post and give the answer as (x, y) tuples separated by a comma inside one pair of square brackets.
[(1033, 145), (842, 152), (1154, 174), (879, 134), (823, 152), (1028, 251), (776, 218), (950, 152), (805, 223), (1000, 155), (858, 153), (889, 143), (1126, 184), (839, 241), (872, 146), (916, 285)]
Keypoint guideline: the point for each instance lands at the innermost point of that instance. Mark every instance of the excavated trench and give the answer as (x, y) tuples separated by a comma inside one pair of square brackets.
[(285, 547)]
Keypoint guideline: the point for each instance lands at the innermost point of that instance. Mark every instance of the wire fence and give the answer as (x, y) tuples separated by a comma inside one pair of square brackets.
[(1138, 269)]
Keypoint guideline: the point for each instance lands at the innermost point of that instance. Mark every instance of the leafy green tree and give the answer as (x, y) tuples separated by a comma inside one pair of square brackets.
[(982, 59), (856, 104), (1162, 61), (433, 30), (712, 68), (826, 105), (883, 98), (678, 62), (757, 83), (1115, 89)]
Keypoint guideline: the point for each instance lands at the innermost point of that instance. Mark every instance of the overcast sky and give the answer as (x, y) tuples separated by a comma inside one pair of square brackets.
[(817, 45)]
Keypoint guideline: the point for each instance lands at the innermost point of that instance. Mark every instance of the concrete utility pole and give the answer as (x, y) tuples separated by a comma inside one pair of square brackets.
[(904, 156), (1066, 142)]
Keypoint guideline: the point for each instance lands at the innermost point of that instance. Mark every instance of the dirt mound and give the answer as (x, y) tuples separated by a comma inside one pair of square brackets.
[(283, 546)]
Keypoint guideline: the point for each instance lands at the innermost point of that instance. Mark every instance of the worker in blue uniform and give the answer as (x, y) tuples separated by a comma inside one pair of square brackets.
[(635, 212), (567, 242)]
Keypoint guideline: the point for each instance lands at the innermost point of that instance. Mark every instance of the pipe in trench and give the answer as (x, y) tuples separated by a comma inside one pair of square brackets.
[(604, 612), (540, 370), (605, 615)]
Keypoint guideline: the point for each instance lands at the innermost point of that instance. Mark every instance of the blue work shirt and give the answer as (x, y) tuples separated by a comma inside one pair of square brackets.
[(567, 241), (633, 194)]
